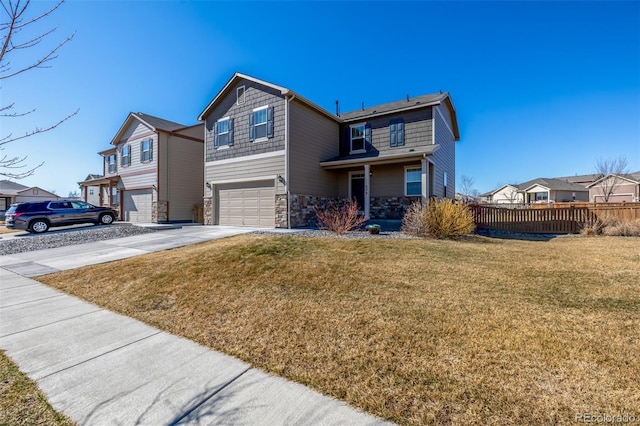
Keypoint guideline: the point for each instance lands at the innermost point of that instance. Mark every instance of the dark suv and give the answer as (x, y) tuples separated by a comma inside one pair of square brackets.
[(39, 216)]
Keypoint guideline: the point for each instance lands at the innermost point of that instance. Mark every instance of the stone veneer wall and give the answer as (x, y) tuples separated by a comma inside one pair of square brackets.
[(159, 211), (390, 207), (208, 211), (302, 209)]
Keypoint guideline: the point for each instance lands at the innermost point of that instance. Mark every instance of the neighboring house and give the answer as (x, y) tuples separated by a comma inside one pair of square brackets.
[(153, 171), (540, 190), (506, 194), (271, 155), (89, 193), (12, 192), (621, 188), (584, 180)]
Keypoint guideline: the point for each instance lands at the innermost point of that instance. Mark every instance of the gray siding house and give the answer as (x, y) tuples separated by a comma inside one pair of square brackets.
[(153, 171), (271, 155)]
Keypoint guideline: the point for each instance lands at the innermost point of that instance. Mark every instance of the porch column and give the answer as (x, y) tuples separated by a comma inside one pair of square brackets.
[(424, 184), (84, 193), (367, 191)]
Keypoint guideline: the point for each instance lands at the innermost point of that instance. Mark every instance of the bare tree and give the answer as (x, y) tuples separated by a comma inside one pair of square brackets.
[(610, 172), (14, 38), (512, 195), (466, 188)]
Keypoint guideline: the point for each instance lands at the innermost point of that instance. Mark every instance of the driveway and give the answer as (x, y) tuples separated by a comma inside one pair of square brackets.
[(46, 261)]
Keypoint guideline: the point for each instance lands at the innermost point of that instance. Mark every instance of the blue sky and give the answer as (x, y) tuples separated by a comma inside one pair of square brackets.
[(541, 89)]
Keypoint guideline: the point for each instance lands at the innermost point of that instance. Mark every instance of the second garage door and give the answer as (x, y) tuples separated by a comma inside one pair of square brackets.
[(247, 204), (136, 205)]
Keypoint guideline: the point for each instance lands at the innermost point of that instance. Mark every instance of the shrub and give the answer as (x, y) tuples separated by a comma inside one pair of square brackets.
[(612, 227), (438, 219), (340, 218)]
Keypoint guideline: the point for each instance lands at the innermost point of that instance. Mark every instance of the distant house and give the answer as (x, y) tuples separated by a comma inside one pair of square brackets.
[(271, 155), (12, 192), (619, 188), (153, 172), (539, 190), (506, 194), (91, 194), (584, 180)]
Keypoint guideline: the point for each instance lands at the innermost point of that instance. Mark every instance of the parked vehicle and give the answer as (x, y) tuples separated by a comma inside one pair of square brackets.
[(38, 216)]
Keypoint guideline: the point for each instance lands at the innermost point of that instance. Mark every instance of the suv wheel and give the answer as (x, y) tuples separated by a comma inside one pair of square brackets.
[(39, 226), (106, 219)]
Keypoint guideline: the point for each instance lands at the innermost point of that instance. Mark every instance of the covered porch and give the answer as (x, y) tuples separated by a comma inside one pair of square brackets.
[(107, 191), (384, 184)]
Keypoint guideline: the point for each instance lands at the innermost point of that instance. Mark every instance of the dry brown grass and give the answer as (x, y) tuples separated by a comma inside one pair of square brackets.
[(4, 230), (21, 402), (419, 332)]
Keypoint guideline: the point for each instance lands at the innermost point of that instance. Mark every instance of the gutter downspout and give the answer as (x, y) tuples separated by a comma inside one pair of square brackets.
[(286, 158)]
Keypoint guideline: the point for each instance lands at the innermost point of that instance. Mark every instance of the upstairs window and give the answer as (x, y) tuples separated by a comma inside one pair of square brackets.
[(360, 136), (223, 132), (261, 124), (125, 155), (146, 150), (396, 132), (111, 163)]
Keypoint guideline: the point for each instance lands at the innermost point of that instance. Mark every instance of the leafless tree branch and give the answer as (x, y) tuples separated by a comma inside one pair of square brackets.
[(610, 171)]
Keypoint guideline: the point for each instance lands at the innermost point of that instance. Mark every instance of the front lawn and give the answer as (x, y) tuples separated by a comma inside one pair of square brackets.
[(475, 331)]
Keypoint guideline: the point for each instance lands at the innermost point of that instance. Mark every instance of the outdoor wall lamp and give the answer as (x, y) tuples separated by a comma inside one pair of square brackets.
[(208, 185), (281, 180)]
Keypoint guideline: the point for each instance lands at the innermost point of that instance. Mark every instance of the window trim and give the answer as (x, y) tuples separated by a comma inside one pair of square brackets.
[(364, 138), (124, 163), (229, 132), (150, 151), (111, 169), (406, 169), (266, 124)]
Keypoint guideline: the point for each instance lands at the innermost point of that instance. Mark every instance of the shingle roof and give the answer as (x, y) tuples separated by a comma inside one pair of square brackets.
[(10, 188), (553, 184), (159, 123), (415, 102)]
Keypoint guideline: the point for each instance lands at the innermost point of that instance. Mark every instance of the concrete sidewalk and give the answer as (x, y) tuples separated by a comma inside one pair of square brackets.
[(101, 368)]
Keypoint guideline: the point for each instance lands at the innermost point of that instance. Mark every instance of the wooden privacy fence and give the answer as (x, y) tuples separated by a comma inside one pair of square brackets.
[(555, 219)]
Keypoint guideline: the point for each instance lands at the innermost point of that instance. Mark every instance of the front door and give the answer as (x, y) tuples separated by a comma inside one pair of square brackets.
[(357, 189)]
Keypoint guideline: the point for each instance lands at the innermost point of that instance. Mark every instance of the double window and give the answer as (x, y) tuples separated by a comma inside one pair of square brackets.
[(413, 181), (125, 155), (261, 124), (146, 150), (223, 132), (396, 132)]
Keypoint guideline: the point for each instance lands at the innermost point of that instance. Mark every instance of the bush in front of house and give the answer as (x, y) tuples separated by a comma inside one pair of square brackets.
[(340, 218), (441, 219)]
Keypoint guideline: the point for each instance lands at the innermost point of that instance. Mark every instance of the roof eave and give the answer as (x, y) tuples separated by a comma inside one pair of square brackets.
[(390, 159)]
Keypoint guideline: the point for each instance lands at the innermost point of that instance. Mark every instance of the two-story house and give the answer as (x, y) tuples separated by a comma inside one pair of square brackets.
[(271, 155), (152, 172)]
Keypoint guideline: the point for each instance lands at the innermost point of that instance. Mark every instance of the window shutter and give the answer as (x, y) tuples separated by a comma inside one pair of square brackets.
[(150, 149), (215, 134), (400, 133), (141, 151), (270, 122), (393, 137), (367, 136), (230, 131), (251, 130), (129, 157)]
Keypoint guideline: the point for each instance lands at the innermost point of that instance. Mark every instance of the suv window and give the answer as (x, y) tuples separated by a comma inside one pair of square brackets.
[(32, 207), (60, 205)]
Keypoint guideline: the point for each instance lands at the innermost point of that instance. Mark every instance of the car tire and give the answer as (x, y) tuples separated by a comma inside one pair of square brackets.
[(106, 219), (38, 226)]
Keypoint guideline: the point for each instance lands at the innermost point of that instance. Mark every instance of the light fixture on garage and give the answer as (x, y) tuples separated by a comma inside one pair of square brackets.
[(281, 180), (208, 185)]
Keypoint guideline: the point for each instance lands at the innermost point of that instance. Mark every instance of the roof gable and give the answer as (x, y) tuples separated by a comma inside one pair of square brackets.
[(154, 124), (629, 177), (10, 188)]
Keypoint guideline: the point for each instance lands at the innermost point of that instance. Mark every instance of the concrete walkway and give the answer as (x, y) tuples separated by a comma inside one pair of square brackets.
[(101, 368)]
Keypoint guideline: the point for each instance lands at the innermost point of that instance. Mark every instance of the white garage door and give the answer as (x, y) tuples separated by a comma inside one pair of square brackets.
[(136, 205), (249, 204)]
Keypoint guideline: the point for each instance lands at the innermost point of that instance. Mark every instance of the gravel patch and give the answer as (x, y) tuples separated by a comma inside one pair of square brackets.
[(66, 237)]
